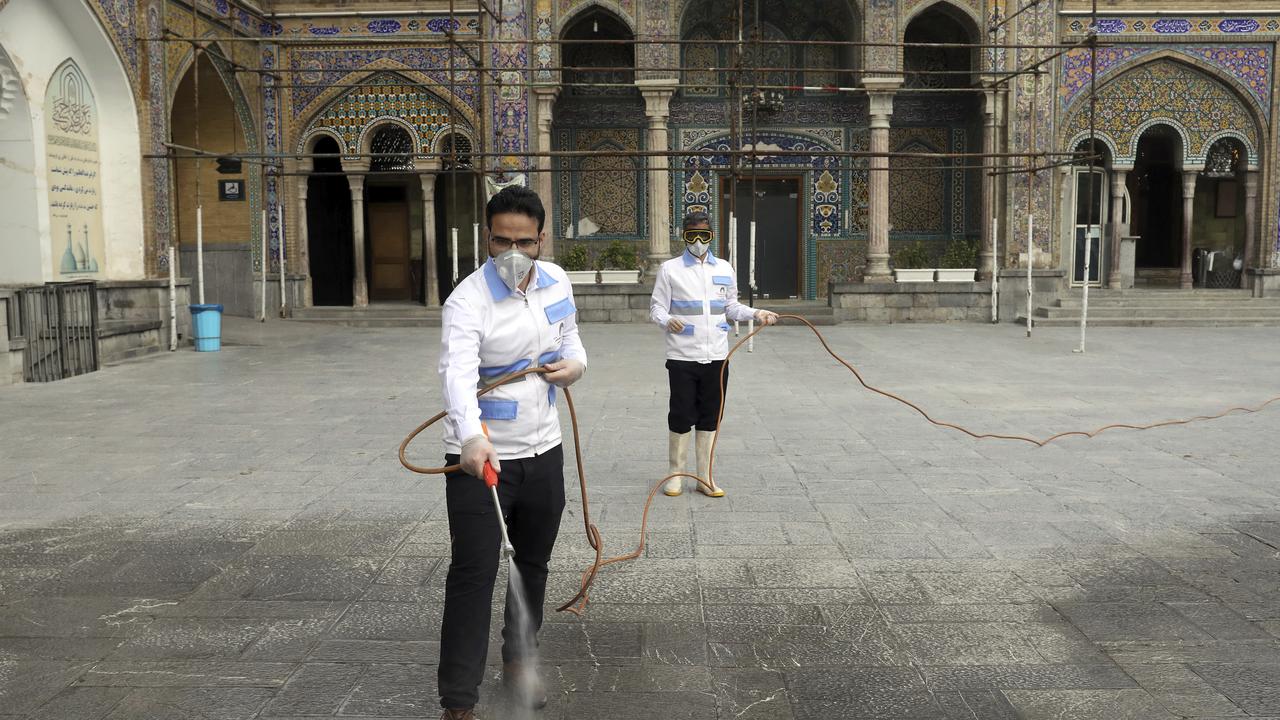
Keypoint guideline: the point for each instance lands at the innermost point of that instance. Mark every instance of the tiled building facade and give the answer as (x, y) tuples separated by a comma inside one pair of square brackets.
[(1182, 108)]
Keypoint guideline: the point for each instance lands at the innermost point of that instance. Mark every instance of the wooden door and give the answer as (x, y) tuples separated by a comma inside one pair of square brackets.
[(389, 277)]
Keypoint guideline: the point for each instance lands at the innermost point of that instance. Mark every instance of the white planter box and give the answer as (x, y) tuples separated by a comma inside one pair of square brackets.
[(956, 274), (914, 275), (617, 277), (581, 277)]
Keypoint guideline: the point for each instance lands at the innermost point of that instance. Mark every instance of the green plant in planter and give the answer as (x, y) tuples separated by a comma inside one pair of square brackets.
[(618, 255), (913, 256), (961, 253), (575, 258)]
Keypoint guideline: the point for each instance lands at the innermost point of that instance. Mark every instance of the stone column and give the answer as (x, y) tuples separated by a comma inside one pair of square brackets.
[(301, 237), (429, 239), (657, 105), (1250, 223), (546, 98), (989, 148), (878, 187), (1118, 176), (1189, 177), (359, 284)]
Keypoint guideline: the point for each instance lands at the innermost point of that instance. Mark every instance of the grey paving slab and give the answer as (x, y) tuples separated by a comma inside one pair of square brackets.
[(1255, 688), (1087, 705), (246, 544), (82, 703)]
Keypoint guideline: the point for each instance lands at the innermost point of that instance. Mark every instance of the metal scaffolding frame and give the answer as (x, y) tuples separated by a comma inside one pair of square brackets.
[(743, 81)]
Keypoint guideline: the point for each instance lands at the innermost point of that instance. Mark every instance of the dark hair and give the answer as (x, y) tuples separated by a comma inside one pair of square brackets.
[(515, 199), (697, 217)]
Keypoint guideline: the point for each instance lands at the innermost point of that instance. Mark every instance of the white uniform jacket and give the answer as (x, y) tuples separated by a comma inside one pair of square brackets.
[(490, 331), (704, 295)]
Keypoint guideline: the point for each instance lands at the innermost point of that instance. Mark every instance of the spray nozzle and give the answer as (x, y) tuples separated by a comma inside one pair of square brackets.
[(491, 479)]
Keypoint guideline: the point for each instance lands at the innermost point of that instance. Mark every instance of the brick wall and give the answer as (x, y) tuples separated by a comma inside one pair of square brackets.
[(224, 221)]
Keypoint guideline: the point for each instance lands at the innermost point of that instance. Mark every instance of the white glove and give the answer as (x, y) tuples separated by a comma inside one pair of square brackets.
[(564, 373), (675, 325), (475, 450), (766, 317)]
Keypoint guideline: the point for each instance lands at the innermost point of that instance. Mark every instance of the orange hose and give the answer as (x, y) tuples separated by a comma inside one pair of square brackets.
[(578, 602)]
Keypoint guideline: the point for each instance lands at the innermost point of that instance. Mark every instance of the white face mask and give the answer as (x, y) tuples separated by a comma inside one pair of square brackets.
[(699, 248), (513, 267)]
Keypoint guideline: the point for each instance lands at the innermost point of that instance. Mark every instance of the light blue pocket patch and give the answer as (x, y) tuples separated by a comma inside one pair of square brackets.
[(559, 311), (722, 279), (686, 330), (498, 409), (724, 326)]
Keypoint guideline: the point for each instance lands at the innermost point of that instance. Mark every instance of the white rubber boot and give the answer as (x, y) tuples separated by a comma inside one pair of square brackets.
[(705, 438), (677, 451)]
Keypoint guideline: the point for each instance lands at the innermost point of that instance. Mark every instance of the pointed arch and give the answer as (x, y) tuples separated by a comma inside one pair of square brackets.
[(607, 6), (1172, 89), (307, 142), (962, 14), (1102, 137), (425, 113), (306, 115), (365, 142), (20, 254)]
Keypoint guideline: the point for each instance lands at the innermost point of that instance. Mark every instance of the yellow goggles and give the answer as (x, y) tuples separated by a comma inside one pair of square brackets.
[(696, 236)]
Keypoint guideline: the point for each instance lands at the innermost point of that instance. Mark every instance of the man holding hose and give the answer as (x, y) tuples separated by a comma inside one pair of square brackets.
[(695, 297), (513, 313)]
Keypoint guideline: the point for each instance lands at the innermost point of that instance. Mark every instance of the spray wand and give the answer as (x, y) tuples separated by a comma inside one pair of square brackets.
[(491, 479)]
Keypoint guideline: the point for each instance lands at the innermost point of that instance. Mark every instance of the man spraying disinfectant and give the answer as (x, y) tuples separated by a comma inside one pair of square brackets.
[(514, 313)]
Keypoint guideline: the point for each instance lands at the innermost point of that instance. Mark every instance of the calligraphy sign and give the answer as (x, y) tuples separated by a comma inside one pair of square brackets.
[(74, 173)]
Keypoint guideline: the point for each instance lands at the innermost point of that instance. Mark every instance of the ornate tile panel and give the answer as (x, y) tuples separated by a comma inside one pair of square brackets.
[(322, 68), (1199, 106), (1175, 26), (1250, 66)]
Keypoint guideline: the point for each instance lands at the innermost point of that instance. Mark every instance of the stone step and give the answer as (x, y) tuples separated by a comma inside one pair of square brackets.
[(1243, 311), (405, 310), (375, 322), (1151, 322), (818, 314), (1146, 302)]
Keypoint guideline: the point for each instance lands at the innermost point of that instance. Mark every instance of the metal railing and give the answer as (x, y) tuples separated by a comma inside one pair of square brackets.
[(60, 324)]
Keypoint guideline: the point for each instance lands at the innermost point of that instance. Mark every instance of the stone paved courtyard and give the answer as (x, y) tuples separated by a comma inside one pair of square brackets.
[(230, 536)]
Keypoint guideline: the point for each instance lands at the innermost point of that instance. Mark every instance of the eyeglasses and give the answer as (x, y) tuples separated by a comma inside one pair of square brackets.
[(506, 243), (696, 236)]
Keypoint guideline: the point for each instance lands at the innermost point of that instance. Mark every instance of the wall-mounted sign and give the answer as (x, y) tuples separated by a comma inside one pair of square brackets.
[(231, 189), (75, 187)]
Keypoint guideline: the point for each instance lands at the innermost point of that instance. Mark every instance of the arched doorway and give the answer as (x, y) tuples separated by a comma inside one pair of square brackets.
[(329, 226), (1221, 225), (807, 213), (393, 259), (1156, 188), (20, 253), (935, 113), (1163, 117), (204, 116), (47, 43), (599, 199)]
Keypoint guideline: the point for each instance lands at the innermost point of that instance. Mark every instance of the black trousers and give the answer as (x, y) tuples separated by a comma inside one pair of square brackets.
[(695, 394), (531, 491)]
